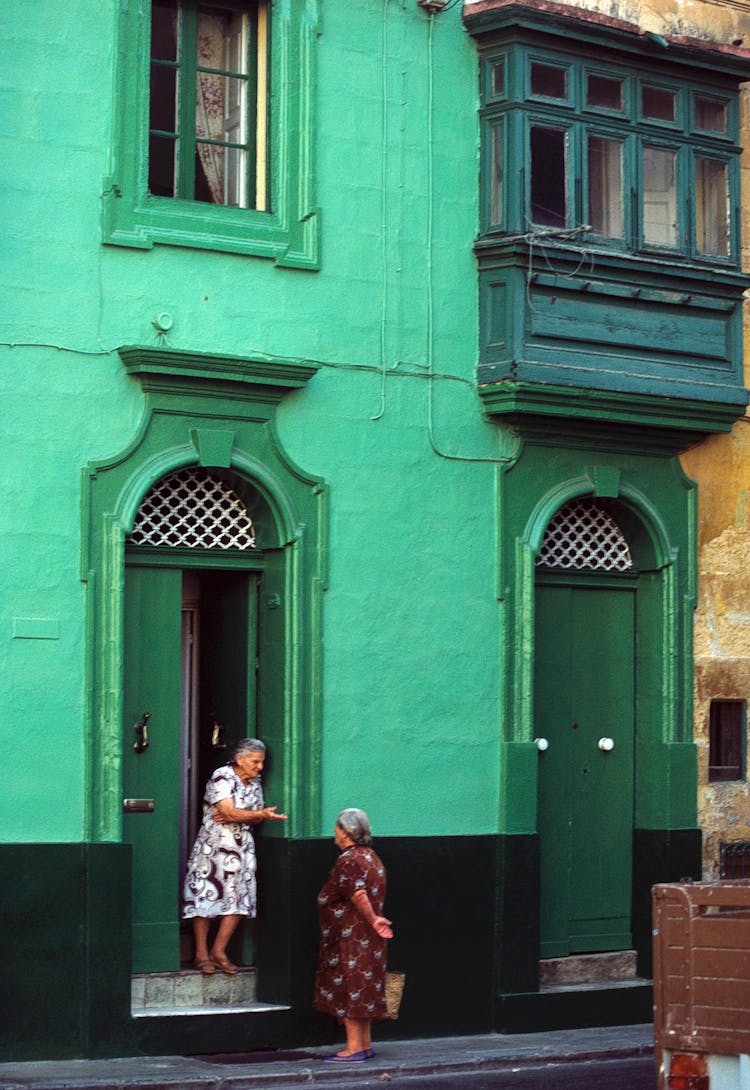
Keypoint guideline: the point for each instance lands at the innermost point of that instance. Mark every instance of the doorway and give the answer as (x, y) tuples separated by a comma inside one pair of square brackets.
[(585, 709), (585, 715), (190, 679)]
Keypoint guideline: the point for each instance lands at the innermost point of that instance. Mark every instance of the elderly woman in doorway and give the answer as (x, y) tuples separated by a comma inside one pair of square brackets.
[(350, 980), (220, 879)]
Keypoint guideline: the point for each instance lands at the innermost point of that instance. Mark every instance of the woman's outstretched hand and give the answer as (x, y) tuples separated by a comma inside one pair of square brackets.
[(228, 815), (383, 927)]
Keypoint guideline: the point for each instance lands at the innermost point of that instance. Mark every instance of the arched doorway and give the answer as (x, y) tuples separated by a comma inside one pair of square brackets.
[(216, 416), (190, 680), (584, 719)]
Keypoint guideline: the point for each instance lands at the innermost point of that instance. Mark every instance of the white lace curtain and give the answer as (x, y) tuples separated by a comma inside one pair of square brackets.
[(210, 107)]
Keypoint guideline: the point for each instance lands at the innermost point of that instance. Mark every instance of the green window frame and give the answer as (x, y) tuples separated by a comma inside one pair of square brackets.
[(675, 176), (267, 208), (550, 80)]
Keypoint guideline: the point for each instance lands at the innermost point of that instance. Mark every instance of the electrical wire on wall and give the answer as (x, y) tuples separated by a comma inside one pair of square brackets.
[(60, 348), (383, 209), (431, 374)]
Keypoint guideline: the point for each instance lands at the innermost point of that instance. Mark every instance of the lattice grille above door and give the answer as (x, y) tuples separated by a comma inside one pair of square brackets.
[(193, 509), (584, 535)]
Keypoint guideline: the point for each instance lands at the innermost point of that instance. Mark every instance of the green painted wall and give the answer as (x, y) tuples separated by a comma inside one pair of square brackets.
[(406, 518), (391, 422)]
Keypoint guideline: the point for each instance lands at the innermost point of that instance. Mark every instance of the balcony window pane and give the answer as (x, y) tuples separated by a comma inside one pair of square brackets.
[(658, 104), (496, 195), (605, 187), (710, 114), (604, 93), (548, 80), (659, 197), (498, 78), (548, 176), (712, 206)]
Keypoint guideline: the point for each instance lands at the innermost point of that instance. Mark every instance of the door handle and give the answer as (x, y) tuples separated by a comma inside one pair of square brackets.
[(606, 745), (141, 730), (138, 806), (541, 744)]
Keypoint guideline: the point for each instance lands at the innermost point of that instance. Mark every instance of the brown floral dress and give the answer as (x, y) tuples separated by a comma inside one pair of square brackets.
[(350, 981)]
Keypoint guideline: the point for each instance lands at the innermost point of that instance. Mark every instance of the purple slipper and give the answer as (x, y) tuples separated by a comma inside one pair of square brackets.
[(354, 1058)]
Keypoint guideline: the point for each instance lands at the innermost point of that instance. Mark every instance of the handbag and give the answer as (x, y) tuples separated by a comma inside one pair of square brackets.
[(394, 990)]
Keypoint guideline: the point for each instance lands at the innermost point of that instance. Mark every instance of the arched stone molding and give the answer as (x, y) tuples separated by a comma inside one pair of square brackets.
[(658, 519)]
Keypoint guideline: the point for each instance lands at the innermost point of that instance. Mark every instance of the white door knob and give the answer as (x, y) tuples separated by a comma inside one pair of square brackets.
[(541, 744), (606, 745)]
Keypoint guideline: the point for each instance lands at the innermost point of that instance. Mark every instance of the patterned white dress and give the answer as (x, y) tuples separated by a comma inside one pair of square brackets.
[(220, 879)]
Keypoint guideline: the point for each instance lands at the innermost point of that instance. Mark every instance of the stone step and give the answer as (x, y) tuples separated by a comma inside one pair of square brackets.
[(191, 989), (588, 969)]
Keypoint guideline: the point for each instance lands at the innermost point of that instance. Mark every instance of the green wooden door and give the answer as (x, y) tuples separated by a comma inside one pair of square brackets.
[(585, 694), (188, 679), (152, 657)]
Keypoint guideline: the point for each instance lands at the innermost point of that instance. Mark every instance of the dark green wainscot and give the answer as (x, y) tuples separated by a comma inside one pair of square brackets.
[(522, 1006), (66, 988), (69, 965)]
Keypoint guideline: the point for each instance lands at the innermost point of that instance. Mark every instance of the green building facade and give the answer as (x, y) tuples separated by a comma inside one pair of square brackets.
[(347, 353)]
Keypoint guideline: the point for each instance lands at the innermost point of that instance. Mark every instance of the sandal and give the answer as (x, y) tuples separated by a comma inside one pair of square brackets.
[(206, 967), (225, 965), (351, 1058)]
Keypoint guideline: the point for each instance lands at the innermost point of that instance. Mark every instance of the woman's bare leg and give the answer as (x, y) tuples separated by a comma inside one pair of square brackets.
[(200, 933), (227, 928), (357, 1035)]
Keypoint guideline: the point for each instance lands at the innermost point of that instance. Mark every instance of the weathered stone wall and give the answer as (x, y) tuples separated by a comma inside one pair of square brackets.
[(722, 621), (721, 466)]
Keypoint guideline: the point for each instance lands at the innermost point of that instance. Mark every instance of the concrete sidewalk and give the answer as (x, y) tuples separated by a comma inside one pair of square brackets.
[(301, 1067)]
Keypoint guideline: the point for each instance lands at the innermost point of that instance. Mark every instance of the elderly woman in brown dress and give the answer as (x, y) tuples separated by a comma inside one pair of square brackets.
[(350, 980)]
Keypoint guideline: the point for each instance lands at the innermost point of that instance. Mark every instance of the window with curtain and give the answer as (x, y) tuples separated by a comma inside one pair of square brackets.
[(712, 205), (207, 102), (660, 197), (605, 186), (199, 158)]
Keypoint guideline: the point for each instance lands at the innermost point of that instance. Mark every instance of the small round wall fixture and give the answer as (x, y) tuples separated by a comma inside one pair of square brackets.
[(163, 321)]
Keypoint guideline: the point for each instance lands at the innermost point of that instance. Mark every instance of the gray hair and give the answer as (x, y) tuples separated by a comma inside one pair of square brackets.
[(356, 824), (248, 745)]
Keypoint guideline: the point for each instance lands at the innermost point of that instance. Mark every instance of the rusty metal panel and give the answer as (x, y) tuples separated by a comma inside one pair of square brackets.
[(702, 967)]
